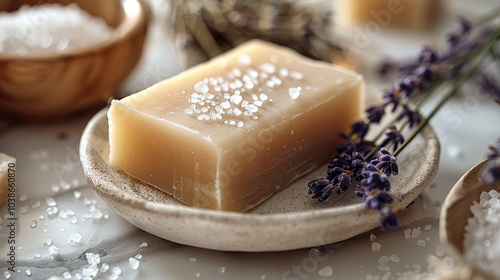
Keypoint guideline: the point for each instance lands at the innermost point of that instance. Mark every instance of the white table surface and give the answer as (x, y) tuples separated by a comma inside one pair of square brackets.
[(47, 157)]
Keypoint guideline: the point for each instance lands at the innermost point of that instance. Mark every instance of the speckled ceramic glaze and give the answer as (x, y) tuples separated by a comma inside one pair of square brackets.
[(288, 220), (454, 215)]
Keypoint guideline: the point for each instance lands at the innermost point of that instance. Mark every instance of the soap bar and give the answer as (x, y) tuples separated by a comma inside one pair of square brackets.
[(229, 133), (7, 166), (376, 14)]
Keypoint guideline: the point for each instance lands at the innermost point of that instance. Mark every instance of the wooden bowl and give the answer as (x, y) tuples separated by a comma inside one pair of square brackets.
[(454, 215), (46, 85)]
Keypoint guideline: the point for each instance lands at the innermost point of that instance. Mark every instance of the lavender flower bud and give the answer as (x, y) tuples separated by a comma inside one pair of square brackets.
[(373, 179), (393, 136), (375, 113), (386, 163), (387, 219)]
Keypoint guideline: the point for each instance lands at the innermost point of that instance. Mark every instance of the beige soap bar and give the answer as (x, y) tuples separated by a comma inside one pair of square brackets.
[(229, 133), (6, 162), (376, 14)]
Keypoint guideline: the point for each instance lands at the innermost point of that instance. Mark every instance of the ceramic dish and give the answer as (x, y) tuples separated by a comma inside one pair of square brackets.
[(288, 220), (454, 215)]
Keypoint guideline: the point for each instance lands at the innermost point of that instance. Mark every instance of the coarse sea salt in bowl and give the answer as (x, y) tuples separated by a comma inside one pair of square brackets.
[(58, 58), (470, 226)]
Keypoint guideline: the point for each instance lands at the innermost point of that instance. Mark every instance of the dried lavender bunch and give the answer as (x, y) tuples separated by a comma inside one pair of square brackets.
[(491, 172), (208, 28), (368, 163)]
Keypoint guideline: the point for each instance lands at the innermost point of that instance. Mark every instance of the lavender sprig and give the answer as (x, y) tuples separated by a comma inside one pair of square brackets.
[(368, 164), (491, 172)]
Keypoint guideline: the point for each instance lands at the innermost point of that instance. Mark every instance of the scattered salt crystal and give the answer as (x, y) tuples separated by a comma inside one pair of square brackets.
[(50, 201), (283, 72), (23, 197), (53, 250), (24, 209), (197, 275), (421, 243), (484, 196), (376, 246), (383, 259), (428, 227), (33, 224), (252, 108), (93, 258), (47, 242), (193, 259), (314, 252), (73, 220), (372, 237), (201, 87), (36, 256), (67, 275), (494, 193), (244, 60), (325, 271), (494, 203), (427, 206), (416, 232), (222, 270), (269, 84), (296, 75), (7, 275), (74, 238), (36, 205), (52, 212), (268, 68), (55, 188), (104, 267), (116, 270), (257, 103), (237, 72), (134, 263), (294, 92), (90, 271), (394, 258), (240, 124)]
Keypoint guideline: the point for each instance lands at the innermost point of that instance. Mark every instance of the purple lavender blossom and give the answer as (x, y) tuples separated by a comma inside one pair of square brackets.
[(427, 55), (386, 163), (491, 172), (373, 179), (412, 116), (320, 188), (342, 182), (392, 97), (377, 199), (495, 151), (394, 137), (489, 85), (387, 219), (375, 113), (360, 128)]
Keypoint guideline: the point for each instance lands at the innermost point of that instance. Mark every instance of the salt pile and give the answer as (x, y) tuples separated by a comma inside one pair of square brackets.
[(50, 28), (482, 239)]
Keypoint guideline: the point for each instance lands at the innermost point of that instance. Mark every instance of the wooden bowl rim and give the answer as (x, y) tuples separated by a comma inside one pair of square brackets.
[(131, 24)]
